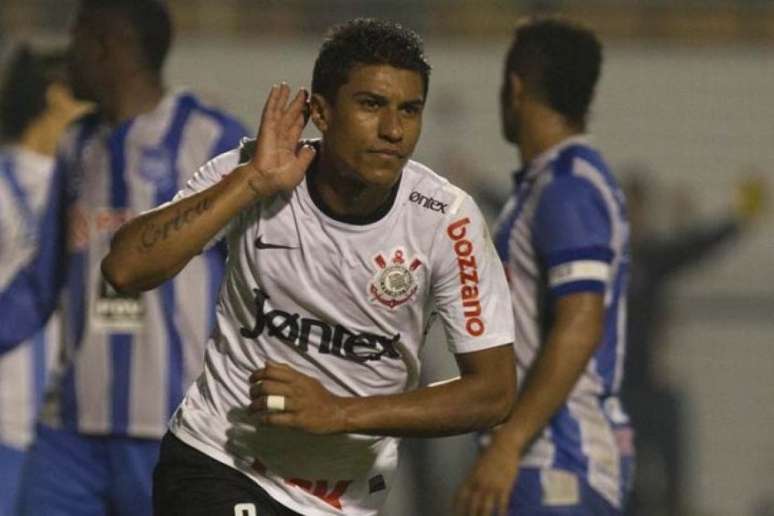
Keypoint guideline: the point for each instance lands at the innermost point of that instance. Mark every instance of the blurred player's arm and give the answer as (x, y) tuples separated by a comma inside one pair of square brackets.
[(479, 398), (688, 247), (155, 246), (30, 297), (571, 342)]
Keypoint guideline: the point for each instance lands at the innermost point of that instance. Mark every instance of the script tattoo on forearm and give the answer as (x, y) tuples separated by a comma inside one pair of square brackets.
[(153, 233)]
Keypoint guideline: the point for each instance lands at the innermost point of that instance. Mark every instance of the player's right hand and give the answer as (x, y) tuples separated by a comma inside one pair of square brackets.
[(306, 404), (279, 163)]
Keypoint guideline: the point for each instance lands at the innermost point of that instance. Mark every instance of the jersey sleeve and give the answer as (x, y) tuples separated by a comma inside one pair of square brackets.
[(572, 235), (30, 297), (470, 291)]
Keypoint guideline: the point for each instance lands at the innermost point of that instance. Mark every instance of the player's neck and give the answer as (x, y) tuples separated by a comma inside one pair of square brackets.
[(140, 94), (542, 129), (345, 196)]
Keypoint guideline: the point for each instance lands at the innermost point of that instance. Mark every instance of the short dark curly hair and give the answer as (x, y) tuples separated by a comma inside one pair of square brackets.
[(561, 60), (366, 41), (23, 90)]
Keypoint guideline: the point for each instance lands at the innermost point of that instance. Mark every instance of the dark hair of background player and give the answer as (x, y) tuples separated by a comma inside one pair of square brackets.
[(560, 61)]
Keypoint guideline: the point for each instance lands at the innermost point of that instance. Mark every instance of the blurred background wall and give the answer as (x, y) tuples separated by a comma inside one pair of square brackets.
[(687, 95)]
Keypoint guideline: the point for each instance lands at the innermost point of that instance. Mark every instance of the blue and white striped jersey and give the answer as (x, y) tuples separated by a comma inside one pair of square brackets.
[(564, 230), (134, 356), (25, 181)]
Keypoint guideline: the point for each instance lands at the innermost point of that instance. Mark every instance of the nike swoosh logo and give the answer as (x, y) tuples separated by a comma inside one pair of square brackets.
[(260, 244)]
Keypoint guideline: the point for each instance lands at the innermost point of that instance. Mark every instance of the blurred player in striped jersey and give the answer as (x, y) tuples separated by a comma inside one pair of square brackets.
[(340, 250), (134, 356), (563, 238), (36, 105)]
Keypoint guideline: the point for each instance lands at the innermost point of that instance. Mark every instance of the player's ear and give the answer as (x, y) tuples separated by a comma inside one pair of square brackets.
[(516, 85), (319, 112)]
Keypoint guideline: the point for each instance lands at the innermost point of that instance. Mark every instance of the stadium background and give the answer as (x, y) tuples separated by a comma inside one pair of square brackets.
[(687, 92)]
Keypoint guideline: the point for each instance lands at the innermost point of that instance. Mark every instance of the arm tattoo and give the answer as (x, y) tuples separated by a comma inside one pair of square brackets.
[(153, 233)]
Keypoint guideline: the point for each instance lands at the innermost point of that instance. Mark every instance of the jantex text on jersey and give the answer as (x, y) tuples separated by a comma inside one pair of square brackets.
[(297, 331)]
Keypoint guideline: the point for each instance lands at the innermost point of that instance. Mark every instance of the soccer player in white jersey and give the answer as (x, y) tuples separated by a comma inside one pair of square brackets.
[(338, 251), (36, 104), (563, 238), (134, 356)]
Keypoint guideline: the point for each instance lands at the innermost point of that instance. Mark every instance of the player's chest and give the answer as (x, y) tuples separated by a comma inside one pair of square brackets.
[(385, 269)]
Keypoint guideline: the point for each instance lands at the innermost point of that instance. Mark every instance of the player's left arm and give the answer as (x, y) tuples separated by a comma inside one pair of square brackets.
[(480, 398), (571, 342)]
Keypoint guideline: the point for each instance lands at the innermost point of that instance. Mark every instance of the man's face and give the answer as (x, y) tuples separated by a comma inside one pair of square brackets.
[(509, 111), (371, 128), (86, 57)]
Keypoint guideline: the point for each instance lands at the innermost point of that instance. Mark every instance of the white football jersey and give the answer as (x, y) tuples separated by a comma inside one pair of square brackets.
[(347, 304)]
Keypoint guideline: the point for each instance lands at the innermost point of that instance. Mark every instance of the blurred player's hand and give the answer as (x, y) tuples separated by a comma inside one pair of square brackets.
[(308, 406), (750, 198), (487, 489), (279, 163)]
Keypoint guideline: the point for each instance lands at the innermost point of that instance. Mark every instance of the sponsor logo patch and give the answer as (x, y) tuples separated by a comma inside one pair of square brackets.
[(85, 223), (327, 339), (428, 202), (260, 244), (112, 311), (466, 262), (395, 280)]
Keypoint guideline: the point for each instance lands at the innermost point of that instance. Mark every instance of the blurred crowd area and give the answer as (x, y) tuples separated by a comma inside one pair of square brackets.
[(696, 21)]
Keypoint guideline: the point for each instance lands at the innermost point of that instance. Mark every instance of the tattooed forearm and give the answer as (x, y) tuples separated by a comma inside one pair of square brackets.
[(152, 233)]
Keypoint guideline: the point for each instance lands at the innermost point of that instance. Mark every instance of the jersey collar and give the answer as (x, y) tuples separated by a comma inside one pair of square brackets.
[(542, 160)]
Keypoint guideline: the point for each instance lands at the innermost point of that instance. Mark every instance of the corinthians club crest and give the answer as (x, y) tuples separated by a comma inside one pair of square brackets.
[(395, 281)]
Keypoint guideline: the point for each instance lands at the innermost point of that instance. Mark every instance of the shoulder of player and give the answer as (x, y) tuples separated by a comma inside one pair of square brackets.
[(431, 194), (31, 168), (224, 163), (577, 170), (206, 111)]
